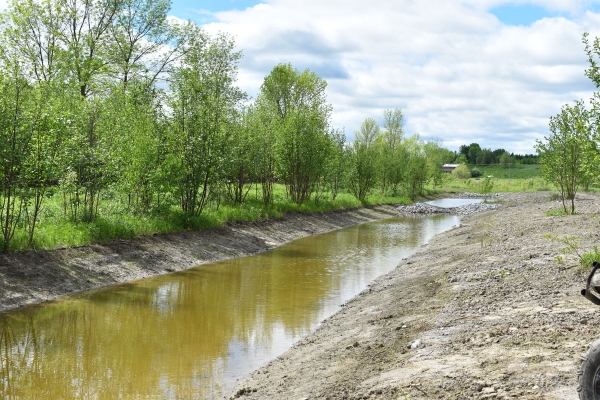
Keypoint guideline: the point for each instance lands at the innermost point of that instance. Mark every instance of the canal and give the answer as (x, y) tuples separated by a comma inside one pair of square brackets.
[(191, 334)]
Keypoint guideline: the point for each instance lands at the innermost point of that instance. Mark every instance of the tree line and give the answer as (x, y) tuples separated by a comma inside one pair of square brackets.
[(474, 154), (100, 96)]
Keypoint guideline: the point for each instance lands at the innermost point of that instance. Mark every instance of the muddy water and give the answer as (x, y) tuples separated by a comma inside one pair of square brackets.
[(191, 334)]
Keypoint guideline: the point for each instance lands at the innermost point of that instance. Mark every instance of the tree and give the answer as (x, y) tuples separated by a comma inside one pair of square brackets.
[(416, 171), (464, 151), (338, 162), (461, 172), (506, 160), (474, 151), (593, 52), (436, 157), (497, 154), (562, 154), (363, 175), (461, 159), (297, 107), (144, 44), (393, 122), (203, 102), (390, 142), (17, 120), (242, 151), (485, 156)]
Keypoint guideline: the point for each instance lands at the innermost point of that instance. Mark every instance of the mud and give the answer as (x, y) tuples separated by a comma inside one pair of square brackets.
[(489, 310)]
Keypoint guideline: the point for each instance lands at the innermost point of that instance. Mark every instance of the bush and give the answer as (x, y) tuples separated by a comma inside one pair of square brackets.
[(461, 172), (475, 173)]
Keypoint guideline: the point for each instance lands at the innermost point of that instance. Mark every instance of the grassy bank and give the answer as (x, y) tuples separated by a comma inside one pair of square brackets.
[(55, 229), (117, 220)]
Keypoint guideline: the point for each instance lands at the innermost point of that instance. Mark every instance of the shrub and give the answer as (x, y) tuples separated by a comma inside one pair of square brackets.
[(475, 173), (461, 172)]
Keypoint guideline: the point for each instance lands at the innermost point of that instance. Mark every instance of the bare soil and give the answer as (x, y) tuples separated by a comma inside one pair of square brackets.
[(38, 276), (488, 310)]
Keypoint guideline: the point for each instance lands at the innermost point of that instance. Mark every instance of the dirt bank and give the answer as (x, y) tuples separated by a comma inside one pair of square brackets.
[(38, 276), (483, 311)]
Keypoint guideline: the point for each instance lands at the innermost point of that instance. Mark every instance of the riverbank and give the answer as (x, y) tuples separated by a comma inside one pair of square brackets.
[(37, 276), (488, 310)]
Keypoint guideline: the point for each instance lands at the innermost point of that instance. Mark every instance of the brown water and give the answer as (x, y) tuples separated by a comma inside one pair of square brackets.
[(191, 334)]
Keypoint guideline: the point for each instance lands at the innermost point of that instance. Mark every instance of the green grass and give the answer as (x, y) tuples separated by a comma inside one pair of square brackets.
[(500, 185), (512, 172), (556, 212), (116, 221)]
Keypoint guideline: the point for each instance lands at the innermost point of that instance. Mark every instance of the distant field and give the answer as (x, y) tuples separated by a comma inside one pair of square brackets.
[(512, 172)]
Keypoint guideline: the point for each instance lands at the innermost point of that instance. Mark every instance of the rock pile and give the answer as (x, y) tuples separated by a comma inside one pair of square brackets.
[(427, 209), (470, 195)]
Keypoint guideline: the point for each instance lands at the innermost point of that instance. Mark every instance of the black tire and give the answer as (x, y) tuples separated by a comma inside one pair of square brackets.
[(589, 374)]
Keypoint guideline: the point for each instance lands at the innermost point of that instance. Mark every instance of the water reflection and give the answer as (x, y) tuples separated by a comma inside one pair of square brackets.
[(191, 334)]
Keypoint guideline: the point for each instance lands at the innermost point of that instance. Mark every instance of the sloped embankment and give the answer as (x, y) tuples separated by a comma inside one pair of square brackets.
[(36, 276)]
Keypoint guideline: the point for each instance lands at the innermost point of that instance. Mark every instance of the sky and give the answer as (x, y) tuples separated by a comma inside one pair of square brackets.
[(486, 71), (462, 71)]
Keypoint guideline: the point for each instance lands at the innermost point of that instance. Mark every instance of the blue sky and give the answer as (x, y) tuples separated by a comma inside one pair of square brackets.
[(195, 10), (462, 71), (522, 14)]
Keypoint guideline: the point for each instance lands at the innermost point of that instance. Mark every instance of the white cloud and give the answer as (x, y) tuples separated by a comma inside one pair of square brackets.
[(455, 70)]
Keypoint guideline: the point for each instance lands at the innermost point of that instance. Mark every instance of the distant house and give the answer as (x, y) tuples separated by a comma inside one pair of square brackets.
[(449, 167)]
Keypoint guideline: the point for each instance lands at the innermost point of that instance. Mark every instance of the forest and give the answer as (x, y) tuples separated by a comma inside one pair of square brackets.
[(117, 121)]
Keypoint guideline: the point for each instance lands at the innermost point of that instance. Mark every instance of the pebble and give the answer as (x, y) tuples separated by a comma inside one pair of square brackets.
[(422, 208)]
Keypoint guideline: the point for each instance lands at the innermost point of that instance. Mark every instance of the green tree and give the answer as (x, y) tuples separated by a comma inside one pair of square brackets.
[(337, 170), (298, 110), (390, 142), (562, 153), (203, 102), (436, 157), (473, 154), (143, 44), (17, 121), (363, 175), (485, 156), (506, 160), (243, 149), (461, 172), (416, 172)]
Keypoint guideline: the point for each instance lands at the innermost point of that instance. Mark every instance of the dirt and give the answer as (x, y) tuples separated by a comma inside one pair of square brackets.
[(489, 310), (38, 276)]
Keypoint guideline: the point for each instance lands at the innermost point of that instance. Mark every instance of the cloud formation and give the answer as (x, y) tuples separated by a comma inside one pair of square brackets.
[(456, 71)]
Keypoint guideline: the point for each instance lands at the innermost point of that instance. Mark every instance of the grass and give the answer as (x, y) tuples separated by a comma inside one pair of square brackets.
[(509, 172), (556, 212), (514, 178), (500, 185), (116, 221)]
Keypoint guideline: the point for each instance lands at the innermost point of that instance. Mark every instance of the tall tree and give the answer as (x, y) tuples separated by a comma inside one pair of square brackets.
[(298, 109), (474, 151), (363, 175), (390, 143), (144, 43), (204, 100), (393, 123)]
